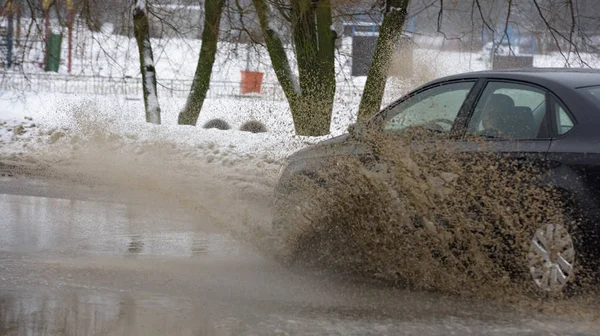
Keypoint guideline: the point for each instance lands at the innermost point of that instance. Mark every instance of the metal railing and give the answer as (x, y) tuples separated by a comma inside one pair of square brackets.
[(125, 86), (132, 87)]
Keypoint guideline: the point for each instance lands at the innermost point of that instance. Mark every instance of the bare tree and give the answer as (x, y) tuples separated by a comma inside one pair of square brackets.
[(201, 82), (391, 29), (310, 98), (142, 36)]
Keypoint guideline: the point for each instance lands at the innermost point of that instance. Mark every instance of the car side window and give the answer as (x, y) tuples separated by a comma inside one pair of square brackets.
[(435, 108), (509, 111), (563, 120)]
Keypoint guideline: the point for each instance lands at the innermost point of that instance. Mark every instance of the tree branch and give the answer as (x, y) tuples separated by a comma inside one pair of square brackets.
[(279, 59)]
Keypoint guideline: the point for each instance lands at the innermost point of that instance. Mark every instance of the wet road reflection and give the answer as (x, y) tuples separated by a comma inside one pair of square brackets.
[(108, 313), (74, 313), (36, 224)]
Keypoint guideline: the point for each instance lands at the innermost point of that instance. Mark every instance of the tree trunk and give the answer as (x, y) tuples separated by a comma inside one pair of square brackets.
[(141, 31), (279, 60), (70, 32), (326, 57), (46, 7), (9, 47), (18, 29), (389, 33), (201, 83), (313, 39), (310, 100)]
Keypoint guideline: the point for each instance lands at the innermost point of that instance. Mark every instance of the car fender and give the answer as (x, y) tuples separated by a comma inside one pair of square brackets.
[(570, 184)]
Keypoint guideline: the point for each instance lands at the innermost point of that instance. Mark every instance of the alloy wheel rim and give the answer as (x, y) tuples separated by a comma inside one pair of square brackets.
[(551, 257)]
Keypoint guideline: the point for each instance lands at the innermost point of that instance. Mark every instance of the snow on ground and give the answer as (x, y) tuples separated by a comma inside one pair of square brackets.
[(58, 129), (13, 131)]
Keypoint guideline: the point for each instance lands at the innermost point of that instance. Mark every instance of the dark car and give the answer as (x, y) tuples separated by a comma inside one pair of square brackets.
[(546, 115)]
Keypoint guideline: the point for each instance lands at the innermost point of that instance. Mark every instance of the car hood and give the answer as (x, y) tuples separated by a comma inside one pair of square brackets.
[(342, 145)]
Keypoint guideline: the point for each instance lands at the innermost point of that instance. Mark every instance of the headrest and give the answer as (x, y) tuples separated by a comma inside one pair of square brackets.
[(498, 103)]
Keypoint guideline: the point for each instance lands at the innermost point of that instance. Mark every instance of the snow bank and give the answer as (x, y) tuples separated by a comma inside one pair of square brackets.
[(60, 128)]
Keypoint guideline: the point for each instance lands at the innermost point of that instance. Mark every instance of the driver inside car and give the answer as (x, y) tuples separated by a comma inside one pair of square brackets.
[(496, 119)]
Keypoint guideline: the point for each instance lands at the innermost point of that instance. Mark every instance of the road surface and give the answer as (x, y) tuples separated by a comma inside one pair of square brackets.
[(79, 259)]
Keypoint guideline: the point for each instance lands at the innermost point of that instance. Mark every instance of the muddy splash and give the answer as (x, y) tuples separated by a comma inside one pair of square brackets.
[(433, 219)]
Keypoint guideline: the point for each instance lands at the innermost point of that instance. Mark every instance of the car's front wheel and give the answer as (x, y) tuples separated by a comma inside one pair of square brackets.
[(560, 260), (552, 258)]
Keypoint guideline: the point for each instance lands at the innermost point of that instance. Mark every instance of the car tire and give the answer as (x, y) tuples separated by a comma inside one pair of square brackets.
[(558, 260)]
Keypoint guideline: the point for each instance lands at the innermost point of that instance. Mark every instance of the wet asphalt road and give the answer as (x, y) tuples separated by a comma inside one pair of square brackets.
[(86, 260)]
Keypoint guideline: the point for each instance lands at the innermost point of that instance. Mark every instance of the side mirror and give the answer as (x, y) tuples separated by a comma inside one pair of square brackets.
[(357, 131)]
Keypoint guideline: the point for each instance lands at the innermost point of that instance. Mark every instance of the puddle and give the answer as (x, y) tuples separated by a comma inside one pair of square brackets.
[(101, 313), (34, 312), (37, 225)]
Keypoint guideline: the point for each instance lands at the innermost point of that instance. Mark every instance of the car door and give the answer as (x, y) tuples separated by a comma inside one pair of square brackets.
[(436, 108), (511, 119)]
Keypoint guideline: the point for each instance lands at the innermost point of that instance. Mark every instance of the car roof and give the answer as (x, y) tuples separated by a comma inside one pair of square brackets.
[(569, 77)]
